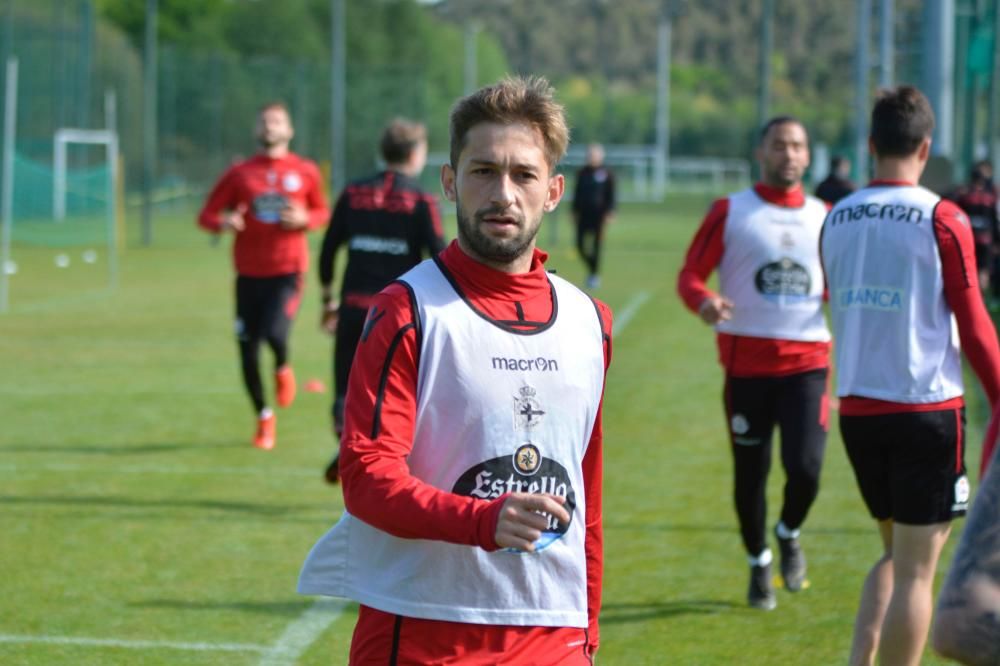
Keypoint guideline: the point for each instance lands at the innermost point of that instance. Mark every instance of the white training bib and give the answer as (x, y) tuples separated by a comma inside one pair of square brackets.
[(771, 271), (896, 337), (497, 411)]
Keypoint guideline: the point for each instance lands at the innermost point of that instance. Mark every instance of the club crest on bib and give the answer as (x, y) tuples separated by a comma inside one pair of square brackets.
[(528, 410)]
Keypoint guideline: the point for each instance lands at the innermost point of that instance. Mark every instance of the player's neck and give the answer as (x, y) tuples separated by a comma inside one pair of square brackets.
[(899, 169), (276, 152), (404, 168)]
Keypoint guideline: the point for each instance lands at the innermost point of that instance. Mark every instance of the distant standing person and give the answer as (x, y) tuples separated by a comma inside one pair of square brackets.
[(773, 343), (837, 184), (388, 224), (593, 207), (269, 202), (978, 198), (900, 263)]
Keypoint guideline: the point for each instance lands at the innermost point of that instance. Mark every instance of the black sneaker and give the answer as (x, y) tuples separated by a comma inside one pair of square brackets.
[(793, 563), (332, 473), (761, 595)]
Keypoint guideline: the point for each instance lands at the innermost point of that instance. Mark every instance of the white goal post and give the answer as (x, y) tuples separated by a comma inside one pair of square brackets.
[(109, 139)]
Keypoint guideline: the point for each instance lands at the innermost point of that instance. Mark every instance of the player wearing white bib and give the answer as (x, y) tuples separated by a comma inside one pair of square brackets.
[(773, 343), (471, 458), (900, 264)]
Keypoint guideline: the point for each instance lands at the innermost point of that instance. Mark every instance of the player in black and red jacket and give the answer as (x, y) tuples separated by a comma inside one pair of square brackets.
[(978, 198), (269, 202), (388, 224)]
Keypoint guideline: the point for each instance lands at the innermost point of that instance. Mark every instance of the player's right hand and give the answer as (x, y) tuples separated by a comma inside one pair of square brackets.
[(521, 522), (328, 319), (234, 220), (715, 309)]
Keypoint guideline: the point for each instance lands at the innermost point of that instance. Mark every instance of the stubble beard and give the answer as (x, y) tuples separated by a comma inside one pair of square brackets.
[(498, 250)]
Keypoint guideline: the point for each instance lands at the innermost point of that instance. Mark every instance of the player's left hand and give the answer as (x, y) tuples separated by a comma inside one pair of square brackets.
[(294, 217)]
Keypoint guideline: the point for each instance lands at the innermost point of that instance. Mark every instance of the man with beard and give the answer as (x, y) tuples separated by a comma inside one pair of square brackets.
[(471, 457), (773, 343), (269, 202)]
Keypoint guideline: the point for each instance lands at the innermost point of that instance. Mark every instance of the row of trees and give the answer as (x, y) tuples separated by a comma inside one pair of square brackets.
[(219, 59)]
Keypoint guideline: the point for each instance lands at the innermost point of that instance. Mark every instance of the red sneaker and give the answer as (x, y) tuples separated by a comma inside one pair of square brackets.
[(284, 381), (266, 427)]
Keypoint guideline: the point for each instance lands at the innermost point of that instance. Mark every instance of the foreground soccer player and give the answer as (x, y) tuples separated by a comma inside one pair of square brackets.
[(471, 458), (901, 268), (387, 222), (967, 625), (773, 343), (269, 202)]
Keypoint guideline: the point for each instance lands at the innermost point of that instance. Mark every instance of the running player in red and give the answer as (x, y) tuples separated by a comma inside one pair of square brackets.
[(471, 458), (901, 267), (773, 343), (269, 202), (387, 223)]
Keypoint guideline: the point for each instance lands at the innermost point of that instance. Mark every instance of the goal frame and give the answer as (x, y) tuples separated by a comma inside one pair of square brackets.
[(63, 138)]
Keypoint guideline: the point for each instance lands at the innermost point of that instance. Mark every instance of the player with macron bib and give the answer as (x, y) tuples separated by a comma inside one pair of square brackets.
[(471, 457), (905, 302), (773, 343)]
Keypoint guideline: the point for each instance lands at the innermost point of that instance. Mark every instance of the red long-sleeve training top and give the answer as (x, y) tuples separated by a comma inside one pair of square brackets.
[(741, 355), (378, 486), (260, 188)]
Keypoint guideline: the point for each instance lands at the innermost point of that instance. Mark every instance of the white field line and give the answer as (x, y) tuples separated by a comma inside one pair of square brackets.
[(301, 633), (629, 311), (135, 645), (157, 469)]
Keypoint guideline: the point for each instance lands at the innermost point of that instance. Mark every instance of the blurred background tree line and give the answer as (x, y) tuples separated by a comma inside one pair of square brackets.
[(218, 60)]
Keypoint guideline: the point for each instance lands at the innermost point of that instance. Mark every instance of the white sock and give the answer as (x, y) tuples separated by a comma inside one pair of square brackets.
[(761, 560), (785, 533), (266, 413)]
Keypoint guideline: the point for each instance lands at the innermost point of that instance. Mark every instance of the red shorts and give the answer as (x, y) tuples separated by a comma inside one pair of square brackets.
[(383, 638)]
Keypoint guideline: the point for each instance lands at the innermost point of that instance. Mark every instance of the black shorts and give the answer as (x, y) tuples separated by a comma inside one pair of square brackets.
[(266, 306), (910, 466), (984, 250)]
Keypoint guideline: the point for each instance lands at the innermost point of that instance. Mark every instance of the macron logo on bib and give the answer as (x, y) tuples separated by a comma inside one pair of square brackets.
[(886, 299)]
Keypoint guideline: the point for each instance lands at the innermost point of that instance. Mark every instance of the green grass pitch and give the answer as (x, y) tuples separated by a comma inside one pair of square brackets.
[(138, 526)]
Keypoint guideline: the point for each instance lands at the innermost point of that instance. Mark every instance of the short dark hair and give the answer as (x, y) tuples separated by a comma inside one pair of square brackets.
[(274, 104), (982, 171), (901, 119), (837, 161), (399, 139), (774, 122), (514, 99)]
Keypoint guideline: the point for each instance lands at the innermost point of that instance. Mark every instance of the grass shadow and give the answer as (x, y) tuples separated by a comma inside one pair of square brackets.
[(620, 613), (287, 608), (123, 450), (113, 502)]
